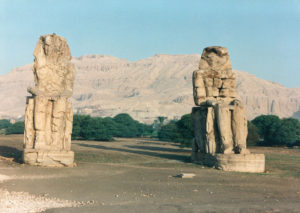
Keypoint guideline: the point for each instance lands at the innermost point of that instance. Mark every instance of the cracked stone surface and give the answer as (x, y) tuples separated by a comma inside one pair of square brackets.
[(49, 116), (220, 122)]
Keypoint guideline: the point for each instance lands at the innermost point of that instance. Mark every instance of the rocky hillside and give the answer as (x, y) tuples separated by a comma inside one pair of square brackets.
[(157, 86)]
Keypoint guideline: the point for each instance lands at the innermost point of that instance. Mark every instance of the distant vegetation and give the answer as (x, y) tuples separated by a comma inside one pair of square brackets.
[(180, 131), (86, 127), (96, 128), (265, 130), (4, 123), (8, 128), (274, 131), (16, 128)]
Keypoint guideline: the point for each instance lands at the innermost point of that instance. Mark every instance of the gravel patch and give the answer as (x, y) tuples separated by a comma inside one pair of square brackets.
[(4, 178), (16, 202)]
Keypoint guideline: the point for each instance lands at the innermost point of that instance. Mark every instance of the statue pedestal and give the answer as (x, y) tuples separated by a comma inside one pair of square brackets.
[(48, 158), (254, 163)]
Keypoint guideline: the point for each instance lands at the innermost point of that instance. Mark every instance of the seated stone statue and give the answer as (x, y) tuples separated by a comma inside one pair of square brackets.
[(220, 119), (49, 117)]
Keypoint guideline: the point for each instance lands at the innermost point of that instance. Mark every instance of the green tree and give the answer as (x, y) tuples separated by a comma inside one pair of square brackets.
[(288, 132), (267, 126), (253, 136), (110, 125), (79, 126), (96, 128), (180, 131), (277, 131), (16, 128), (126, 126), (4, 123), (161, 120), (185, 126), (169, 132)]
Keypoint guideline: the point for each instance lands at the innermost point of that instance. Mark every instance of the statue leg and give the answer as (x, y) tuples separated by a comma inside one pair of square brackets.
[(239, 128), (40, 106), (69, 126), (29, 124), (58, 123), (224, 125), (199, 123), (210, 131)]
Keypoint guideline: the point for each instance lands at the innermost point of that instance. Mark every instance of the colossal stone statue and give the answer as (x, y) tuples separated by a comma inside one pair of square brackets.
[(220, 123), (49, 116)]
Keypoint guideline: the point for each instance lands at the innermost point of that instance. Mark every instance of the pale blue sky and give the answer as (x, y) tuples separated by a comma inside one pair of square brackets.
[(263, 36)]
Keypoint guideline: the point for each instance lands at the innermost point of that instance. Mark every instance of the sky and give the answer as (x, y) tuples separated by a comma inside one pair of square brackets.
[(262, 36)]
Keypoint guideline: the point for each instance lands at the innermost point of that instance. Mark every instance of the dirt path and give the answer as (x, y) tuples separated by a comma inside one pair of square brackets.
[(135, 175)]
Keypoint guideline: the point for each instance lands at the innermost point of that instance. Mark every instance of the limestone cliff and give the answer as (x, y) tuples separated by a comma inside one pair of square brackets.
[(156, 86)]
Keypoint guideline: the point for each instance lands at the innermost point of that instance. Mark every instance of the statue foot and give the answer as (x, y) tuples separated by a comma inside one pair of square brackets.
[(244, 151), (228, 151), (240, 150)]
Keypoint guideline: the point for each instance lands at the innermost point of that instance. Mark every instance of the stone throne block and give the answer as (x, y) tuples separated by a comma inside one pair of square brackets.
[(48, 115), (219, 120), (208, 148), (51, 147)]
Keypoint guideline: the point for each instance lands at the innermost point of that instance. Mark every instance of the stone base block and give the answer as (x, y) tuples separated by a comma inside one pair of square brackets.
[(232, 162), (48, 158)]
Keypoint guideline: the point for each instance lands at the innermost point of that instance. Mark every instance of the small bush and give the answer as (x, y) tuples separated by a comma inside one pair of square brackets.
[(274, 131), (4, 123), (16, 128), (96, 128), (180, 131), (253, 136)]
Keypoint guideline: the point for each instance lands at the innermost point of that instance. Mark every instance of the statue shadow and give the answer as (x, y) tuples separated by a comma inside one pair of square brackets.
[(157, 148), (145, 151), (11, 152)]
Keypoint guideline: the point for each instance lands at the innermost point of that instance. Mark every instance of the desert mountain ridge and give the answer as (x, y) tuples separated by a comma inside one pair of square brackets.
[(160, 85)]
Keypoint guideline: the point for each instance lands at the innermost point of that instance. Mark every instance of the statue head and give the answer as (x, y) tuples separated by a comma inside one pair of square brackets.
[(215, 80), (215, 58), (53, 70)]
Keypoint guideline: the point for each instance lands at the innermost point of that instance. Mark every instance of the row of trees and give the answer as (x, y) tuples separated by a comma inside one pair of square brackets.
[(180, 131), (86, 127), (266, 130), (275, 131), (6, 127), (97, 128)]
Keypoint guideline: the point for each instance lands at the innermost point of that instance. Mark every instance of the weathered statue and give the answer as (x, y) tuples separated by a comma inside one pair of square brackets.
[(219, 121), (49, 116)]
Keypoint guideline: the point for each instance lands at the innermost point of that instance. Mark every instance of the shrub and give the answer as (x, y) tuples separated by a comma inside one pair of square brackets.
[(275, 131), (126, 126), (253, 136), (169, 132), (16, 128), (267, 126), (4, 123), (288, 132), (96, 128), (180, 131)]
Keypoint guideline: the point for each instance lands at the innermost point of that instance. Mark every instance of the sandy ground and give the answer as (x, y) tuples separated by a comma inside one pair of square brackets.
[(139, 175)]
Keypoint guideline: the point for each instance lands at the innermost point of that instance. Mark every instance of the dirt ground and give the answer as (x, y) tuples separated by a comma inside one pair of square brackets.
[(139, 175)]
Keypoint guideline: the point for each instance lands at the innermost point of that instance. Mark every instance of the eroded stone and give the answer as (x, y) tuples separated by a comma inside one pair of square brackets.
[(49, 117), (220, 123)]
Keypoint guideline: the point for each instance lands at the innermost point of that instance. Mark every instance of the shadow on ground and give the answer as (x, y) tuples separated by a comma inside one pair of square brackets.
[(11, 152), (157, 148), (178, 157)]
